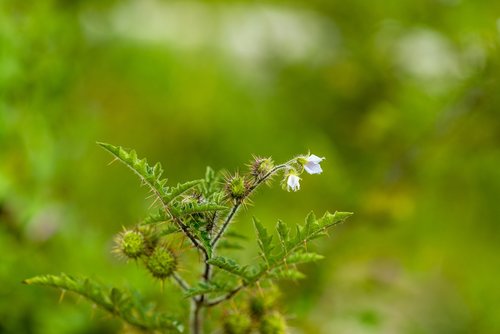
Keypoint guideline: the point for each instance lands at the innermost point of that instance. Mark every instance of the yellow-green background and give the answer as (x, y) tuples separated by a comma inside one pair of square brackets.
[(401, 97)]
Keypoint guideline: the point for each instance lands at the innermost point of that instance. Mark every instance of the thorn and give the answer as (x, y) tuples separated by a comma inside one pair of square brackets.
[(233, 305), (111, 162), (92, 312), (154, 202), (61, 297)]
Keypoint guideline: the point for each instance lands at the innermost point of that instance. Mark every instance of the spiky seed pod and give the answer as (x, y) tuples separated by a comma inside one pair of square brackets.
[(237, 323), (262, 303), (236, 187), (273, 323), (130, 243), (161, 263), (260, 167)]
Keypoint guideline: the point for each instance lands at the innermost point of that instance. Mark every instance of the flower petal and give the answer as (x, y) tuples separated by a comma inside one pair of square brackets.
[(313, 168), (293, 182), (314, 158)]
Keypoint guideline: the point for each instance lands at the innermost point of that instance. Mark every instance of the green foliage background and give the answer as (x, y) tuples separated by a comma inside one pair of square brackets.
[(401, 97)]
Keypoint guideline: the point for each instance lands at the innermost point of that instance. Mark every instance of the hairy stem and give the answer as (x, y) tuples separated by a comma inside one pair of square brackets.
[(197, 305), (237, 205)]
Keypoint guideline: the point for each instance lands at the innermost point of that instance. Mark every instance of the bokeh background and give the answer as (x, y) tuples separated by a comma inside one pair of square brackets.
[(401, 97)]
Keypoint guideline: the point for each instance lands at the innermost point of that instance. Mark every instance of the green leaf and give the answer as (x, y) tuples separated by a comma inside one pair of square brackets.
[(226, 244), (149, 175), (283, 234), (235, 235), (117, 302), (303, 257), (210, 183), (329, 219), (230, 266), (206, 241), (292, 251), (290, 274), (192, 208), (264, 240), (155, 218), (179, 190)]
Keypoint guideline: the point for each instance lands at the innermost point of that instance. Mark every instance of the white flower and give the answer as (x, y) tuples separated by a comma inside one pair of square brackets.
[(311, 164), (292, 182)]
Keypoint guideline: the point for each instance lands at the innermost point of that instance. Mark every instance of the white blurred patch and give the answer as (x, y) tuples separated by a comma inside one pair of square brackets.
[(45, 223), (427, 55), (247, 33)]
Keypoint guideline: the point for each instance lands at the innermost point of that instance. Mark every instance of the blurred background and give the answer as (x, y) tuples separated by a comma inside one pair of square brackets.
[(401, 97)]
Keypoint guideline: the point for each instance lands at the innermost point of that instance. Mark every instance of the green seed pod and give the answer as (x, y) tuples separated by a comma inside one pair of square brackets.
[(262, 302), (236, 187), (237, 323), (161, 263), (272, 323), (131, 244), (260, 167)]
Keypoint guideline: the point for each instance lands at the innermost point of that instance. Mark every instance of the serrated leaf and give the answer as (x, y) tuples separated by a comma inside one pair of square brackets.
[(235, 235), (291, 274), (225, 244), (283, 234), (149, 175), (329, 219), (169, 229), (303, 257), (158, 217), (230, 266), (206, 241), (193, 208), (264, 240), (179, 190), (118, 302), (292, 252)]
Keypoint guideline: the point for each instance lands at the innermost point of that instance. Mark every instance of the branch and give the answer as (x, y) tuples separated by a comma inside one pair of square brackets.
[(235, 208), (228, 296), (151, 176), (182, 283)]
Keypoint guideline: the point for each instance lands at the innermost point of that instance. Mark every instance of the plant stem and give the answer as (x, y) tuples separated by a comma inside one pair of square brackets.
[(198, 305), (228, 296), (196, 318), (236, 206)]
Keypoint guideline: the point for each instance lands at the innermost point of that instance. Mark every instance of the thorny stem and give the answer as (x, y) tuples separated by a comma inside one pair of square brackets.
[(235, 208), (197, 305)]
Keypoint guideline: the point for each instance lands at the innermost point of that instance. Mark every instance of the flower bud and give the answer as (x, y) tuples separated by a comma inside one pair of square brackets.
[(131, 244), (273, 323), (237, 323), (161, 263)]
